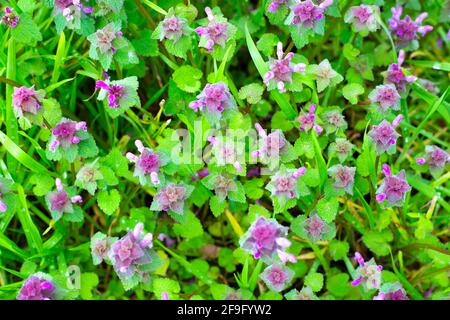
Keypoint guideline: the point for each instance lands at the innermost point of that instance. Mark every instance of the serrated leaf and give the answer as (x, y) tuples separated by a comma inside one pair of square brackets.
[(109, 201), (188, 78), (352, 91)]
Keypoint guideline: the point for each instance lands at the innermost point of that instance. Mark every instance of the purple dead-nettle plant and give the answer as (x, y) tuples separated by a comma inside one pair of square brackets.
[(333, 120), (263, 239), (132, 257), (88, 175), (344, 177), (173, 27), (61, 203), (275, 5), (430, 86), (171, 198), (214, 100), (216, 32), (368, 274), (436, 158), (277, 277), (100, 247), (342, 148), (406, 30), (308, 120), (384, 135), (396, 75), (305, 294), (148, 164), (27, 105), (363, 18), (307, 15), (222, 183), (281, 70), (284, 187), (69, 13), (391, 291), (314, 228), (10, 18), (40, 286), (105, 7), (228, 152), (325, 75), (120, 94), (385, 97), (393, 188)]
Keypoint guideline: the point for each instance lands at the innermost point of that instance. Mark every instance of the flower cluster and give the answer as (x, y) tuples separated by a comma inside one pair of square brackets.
[(406, 30), (325, 75), (39, 286), (10, 18), (384, 135), (120, 94), (60, 203), (284, 185), (363, 18), (216, 32), (393, 189), (343, 176), (307, 15), (396, 75), (277, 277), (314, 228), (385, 97), (436, 158), (308, 120), (171, 197), (368, 273)]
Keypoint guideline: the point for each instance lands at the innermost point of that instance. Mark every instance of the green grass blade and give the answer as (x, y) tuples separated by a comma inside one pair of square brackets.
[(9, 245), (31, 231), (59, 58), (10, 118), (442, 66)]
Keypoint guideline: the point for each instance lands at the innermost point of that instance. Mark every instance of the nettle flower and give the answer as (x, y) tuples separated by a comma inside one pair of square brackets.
[(436, 158), (100, 247), (277, 277), (308, 120), (148, 164), (214, 99), (104, 44), (173, 27), (171, 197), (10, 18), (368, 273), (314, 228), (216, 32), (121, 94), (87, 177), (406, 30), (305, 294), (70, 139), (60, 203), (306, 15), (384, 135), (342, 148), (228, 152), (333, 121), (284, 185), (344, 177), (222, 184), (27, 105), (264, 238), (385, 97), (40, 286), (363, 18), (281, 70), (391, 291), (275, 5), (325, 75), (393, 189), (70, 13), (396, 75), (132, 257)]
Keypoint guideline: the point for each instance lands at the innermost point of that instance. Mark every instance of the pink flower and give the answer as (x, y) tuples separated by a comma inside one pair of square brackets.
[(369, 273), (384, 135), (407, 30), (281, 70), (38, 286), (10, 18), (277, 277), (26, 100), (67, 133), (171, 197), (392, 291), (343, 176), (283, 184), (115, 92), (436, 157), (215, 33), (393, 189), (395, 73), (306, 13), (363, 17), (272, 144), (275, 5), (308, 120), (385, 97), (59, 202)]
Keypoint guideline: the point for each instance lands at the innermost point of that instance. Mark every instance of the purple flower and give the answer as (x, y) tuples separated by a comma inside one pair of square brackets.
[(283, 185), (72, 9), (406, 30), (10, 18), (172, 28), (391, 291), (215, 33), (305, 294), (393, 189), (227, 152), (115, 92), (384, 135), (26, 100), (100, 247), (223, 185), (395, 73), (272, 144), (59, 201), (38, 286), (436, 157), (363, 18), (213, 100), (277, 277), (131, 256), (67, 133), (343, 176), (342, 148), (275, 5), (307, 14), (281, 70), (261, 238), (171, 197), (385, 97), (334, 121), (121, 93), (308, 120), (313, 228), (368, 273), (147, 164)]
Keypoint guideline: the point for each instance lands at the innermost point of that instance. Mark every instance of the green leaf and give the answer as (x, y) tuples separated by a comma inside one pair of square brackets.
[(352, 91), (254, 188), (327, 209), (191, 228), (88, 282), (378, 242), (338, 249), (188, 78), (315, 281), (267, 43), (109, 201), (27, 31), (170, 286), (251, 92), (339, 284)]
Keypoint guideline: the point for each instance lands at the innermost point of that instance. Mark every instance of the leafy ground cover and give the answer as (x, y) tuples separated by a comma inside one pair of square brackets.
[(271, 149)]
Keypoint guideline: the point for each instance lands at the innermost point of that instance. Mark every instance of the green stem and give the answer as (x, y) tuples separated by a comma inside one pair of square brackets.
[(320, 256)]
